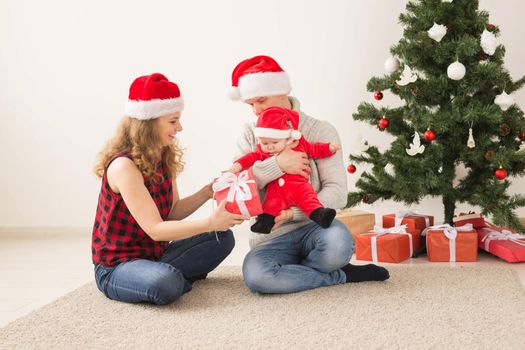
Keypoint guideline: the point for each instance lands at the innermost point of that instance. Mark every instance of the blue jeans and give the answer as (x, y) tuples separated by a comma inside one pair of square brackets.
[(305, 258), (162, 282)]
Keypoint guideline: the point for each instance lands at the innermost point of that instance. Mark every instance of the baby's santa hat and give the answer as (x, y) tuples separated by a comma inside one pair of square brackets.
[(152, 96), (257, 77), (278, 123)]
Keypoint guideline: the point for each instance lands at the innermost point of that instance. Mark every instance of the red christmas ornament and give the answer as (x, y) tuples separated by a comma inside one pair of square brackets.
[(522, 136), (491, 26), (383, 123), (429, 135), (500, 173), (378, 95), (351, 169)]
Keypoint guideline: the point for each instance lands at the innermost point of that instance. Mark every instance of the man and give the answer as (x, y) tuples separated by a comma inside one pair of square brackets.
[(298, 254)]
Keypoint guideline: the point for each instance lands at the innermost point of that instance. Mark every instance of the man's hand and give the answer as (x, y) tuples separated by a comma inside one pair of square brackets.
[(284, 216), (293, 162)]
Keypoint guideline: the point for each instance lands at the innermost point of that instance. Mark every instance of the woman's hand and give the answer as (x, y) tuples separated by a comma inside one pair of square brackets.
[(222, 220), (207, 190), (293, 162), (284, 216)]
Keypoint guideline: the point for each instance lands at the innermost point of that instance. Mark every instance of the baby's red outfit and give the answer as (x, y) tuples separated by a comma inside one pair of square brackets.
[(289, 190)]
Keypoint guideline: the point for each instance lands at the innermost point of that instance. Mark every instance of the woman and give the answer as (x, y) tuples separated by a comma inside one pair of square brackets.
[(139, 210)]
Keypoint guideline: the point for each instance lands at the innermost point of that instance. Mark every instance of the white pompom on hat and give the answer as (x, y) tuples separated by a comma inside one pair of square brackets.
[(257, 77), (152, 96)]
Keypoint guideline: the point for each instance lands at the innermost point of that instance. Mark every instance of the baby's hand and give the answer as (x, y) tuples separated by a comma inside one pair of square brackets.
[(235, 168), (334, 147)]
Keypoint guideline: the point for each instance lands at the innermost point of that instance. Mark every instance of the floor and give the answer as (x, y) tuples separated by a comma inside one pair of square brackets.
[(38, 266)]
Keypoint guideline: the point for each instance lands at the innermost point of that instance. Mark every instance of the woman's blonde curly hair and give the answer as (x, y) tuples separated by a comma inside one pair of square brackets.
[(139, 139)]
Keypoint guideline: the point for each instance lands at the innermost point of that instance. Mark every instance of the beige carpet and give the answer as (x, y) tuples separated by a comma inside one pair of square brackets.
[(419, 307)]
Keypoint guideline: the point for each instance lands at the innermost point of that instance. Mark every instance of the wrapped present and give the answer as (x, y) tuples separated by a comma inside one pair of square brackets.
[(357, 221), (392, 244), (415, 223), (239, 191), (476, 219), (447, 243), (503, 243)]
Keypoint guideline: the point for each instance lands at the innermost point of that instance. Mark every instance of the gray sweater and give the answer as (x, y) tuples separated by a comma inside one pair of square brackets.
[(328, 177)]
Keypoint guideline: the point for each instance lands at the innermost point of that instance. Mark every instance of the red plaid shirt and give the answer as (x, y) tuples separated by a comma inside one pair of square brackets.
[(117, 237)]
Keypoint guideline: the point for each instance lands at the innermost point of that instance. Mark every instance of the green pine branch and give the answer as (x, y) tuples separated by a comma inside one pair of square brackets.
[(450, 108)]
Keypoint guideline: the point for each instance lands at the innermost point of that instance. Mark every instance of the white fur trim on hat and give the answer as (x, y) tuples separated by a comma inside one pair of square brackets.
[(144, 110), (264, 84), (233, 93), (272, 133)]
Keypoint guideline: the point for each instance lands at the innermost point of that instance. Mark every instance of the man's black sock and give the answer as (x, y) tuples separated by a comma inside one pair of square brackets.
[(361, 273), (196, 278)]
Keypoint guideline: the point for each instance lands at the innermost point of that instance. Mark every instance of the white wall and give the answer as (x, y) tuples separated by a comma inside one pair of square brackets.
[(65, 67)]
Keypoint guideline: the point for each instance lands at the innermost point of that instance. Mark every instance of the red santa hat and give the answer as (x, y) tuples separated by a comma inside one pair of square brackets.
[(278, 123), (258, 76), (152, 96)]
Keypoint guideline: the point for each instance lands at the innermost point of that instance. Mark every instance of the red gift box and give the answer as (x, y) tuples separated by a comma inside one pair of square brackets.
[(384, 245), (503, 243), (414, 222), (240, 192), (475, 219), (447, 243)]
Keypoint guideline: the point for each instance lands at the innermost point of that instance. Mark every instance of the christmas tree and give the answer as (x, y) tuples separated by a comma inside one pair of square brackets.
[(458, 109)]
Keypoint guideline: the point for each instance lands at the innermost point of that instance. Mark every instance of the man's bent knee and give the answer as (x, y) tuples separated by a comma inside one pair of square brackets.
[(337, 246)]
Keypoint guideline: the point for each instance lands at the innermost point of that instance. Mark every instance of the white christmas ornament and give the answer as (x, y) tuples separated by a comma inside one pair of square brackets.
[(437, 32), (420, 74), (416, 146), (456, 71), (433, 109), (440, 170), (447, 0), (495, 139), (406, 77), (522, 148), (389, 169), (361, 145), (504, 101), (470, 142), (391, 64), (461, 173), (488, 42)]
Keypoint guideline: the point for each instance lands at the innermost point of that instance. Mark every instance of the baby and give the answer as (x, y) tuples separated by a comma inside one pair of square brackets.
[(276, 128)]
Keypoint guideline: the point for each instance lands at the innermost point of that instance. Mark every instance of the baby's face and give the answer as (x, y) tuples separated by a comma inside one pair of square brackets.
[(272, 146)]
